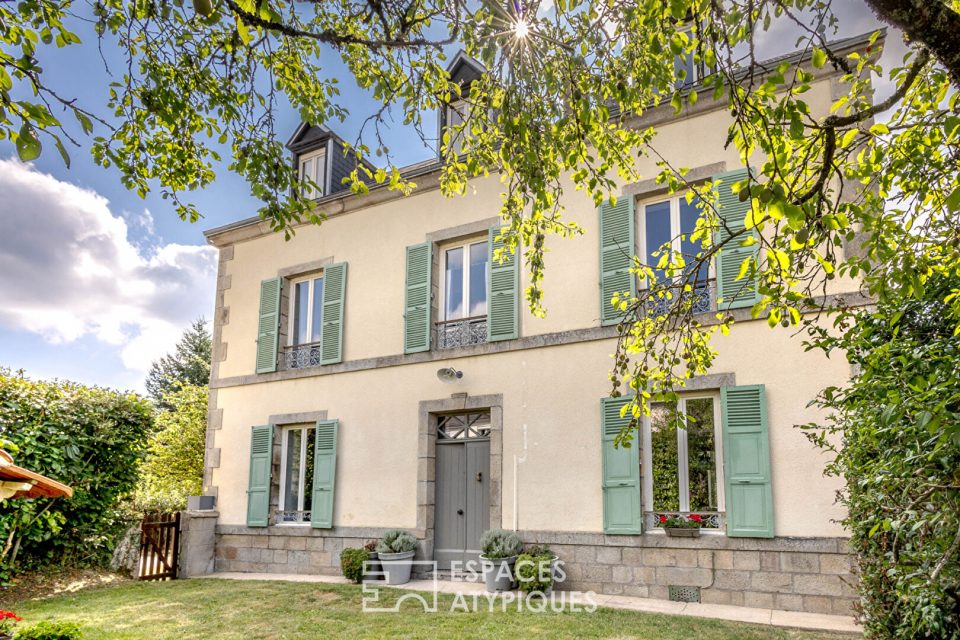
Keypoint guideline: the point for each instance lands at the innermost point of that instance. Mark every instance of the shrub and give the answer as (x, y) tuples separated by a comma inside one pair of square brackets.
[(499, 543), (894, 431), (534, 571), (351, 563), (89, 438), (50, 631), (8, 621), (396, 541), (173, 469)]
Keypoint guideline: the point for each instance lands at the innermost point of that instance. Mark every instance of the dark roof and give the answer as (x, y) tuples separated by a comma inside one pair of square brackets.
[(464, 68)]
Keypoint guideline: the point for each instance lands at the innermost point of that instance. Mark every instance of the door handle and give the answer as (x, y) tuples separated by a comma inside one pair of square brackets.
[(479, 476), (459, 512)]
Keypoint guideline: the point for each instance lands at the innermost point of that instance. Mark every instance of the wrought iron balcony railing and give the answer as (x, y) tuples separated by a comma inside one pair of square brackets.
[(300, 356), (291, 517), (704, 298), (460, 333)]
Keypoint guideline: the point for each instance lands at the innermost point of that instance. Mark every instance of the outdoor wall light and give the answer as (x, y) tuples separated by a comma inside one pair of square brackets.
[(449, 374)]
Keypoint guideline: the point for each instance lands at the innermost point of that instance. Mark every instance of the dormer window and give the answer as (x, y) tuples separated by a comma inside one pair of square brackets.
[(313, 173)]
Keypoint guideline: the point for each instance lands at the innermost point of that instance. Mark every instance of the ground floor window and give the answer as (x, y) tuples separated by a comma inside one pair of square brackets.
[(296, 474), (681, 463)]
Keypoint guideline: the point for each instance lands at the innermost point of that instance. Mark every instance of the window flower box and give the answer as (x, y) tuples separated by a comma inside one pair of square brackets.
[(682, 526)]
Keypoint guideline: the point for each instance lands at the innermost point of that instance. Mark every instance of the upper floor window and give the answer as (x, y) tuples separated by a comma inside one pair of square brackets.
[(670, 222), (463, 309), (313, 173), (296, 474), (306, 322), (680, 460)]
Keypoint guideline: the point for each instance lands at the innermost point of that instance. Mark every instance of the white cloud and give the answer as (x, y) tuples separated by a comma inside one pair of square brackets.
[(69, 269)]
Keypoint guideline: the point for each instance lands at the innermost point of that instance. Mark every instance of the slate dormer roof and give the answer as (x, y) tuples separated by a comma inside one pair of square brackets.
[(465, 69)]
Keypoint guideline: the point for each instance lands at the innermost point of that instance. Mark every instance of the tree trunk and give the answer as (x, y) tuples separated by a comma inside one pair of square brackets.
[(928, 22)]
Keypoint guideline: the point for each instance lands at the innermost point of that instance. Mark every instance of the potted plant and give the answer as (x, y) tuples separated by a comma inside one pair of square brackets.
[(395, 551), (351, 563), (373, 562), (536, 570), (680, 526), (499, 549), (8, 620)]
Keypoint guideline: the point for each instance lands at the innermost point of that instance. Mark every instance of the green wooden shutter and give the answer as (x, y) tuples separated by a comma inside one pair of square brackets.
[(617, 247), (269, 325), (331, 332), (621, 472), (503, 287), (324, 474), (416, 333), (258, 487), (746, 462), (734, 293)]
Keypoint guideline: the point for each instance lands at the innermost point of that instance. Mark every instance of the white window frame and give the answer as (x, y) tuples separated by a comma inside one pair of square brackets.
[(683, 462), (319, 157), (291, 333), (676, 243), (465, 245), (303, 469)]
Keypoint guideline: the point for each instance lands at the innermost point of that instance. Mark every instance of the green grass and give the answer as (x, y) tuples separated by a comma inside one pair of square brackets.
[(225, 609)]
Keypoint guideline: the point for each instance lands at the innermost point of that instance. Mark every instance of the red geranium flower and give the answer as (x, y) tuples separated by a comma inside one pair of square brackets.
[(663, 518), (696, 517)]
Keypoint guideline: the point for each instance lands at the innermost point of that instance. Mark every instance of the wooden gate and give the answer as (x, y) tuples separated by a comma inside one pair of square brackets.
[(159, 547)]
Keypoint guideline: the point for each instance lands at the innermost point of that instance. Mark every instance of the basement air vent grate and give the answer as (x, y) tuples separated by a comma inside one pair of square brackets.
[(684, 594)]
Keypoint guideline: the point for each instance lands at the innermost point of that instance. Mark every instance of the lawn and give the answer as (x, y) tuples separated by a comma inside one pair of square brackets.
[(226, 609)]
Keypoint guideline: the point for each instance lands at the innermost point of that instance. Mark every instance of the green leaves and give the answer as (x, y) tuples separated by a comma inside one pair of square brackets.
[(205, 8), (91, 439), (28, 143), (897, 420), (819, 57), (953, 200)]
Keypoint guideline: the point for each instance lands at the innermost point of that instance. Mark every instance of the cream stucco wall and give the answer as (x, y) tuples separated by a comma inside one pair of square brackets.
[(553, 392)]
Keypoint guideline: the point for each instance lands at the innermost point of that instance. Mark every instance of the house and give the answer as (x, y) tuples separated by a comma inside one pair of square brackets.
[(382, 371)]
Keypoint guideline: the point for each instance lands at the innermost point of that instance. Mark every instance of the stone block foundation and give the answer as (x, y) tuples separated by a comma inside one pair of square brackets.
[(794, 574)]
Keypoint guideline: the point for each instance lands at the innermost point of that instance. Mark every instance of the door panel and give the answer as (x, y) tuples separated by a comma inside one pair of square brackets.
[(462, 507), (451, 503), (478, 496)]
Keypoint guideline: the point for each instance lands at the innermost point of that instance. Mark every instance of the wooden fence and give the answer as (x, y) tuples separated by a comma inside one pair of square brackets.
[(159, 547)]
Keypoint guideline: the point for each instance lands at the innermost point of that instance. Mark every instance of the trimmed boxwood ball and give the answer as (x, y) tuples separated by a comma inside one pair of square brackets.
[(499, 543), (396, 541), (351, 563)]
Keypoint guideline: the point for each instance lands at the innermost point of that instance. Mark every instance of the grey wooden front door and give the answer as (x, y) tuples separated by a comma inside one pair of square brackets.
[(462, 508)]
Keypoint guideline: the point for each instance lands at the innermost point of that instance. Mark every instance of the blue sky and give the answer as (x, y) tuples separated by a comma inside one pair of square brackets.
[(97, 282), (113, 339)]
